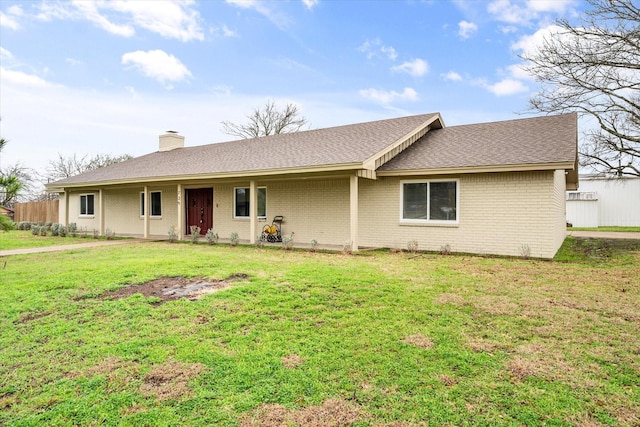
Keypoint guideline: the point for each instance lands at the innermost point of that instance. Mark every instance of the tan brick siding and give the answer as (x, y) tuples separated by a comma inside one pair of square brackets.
[(500, 213), (312, 209)]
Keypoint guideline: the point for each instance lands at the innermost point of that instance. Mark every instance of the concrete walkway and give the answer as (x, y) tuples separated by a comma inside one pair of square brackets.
[(604, 234), (70, 247)]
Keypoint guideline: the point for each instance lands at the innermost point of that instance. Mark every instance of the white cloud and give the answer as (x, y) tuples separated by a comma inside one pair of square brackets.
[(158, 65), (280, 20), (22, 79), (466, 29), (452, 75), (73, 62), (527, 45), (176, 20), (505, 11), (310, 3), (506, 87), (387, 97), (522, 13), (169, 19), (374, 47), (8, 21), (5, 55), (417, 67), (227, 32), (558, 6), (518, 71)]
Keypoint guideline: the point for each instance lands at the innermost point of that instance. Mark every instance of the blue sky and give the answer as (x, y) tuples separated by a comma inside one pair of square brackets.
[(104, 77)]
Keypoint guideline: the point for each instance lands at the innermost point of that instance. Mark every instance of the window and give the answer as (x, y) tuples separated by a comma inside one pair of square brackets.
[(156, 203), (429, 201), (87, 203), (241, 202)]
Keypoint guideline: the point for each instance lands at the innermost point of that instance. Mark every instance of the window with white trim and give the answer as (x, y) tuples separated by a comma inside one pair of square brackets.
[(242, 200), (427, 201), (87, 204)]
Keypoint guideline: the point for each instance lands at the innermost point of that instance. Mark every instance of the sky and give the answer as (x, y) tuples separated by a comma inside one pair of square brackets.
[(108, 77)]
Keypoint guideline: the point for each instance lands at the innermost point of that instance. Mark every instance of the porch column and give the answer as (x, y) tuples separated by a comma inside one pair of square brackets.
[(146, 212), (65, 219), (180, 220), (101, 210), (253, 211), (353, 211)]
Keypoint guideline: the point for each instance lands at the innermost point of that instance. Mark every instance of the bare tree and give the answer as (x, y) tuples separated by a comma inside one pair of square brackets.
[(594, 69), (268, 120), (65, 167)]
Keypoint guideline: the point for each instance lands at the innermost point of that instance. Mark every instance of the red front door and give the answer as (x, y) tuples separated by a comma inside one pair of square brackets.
[(199, 209)]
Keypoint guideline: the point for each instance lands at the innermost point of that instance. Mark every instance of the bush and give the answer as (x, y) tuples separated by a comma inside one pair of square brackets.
[(234, 238), (212, 236), (54, 229), (6, 224), (109, 234), (314, 245), (287, 242), (72, 229), (173, 233), (62, 230), (43, 230), (412, 246), (35, 230), (195, 233), (24, 225)]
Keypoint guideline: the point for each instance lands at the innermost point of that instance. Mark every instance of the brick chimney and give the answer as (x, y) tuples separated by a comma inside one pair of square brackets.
[(170, 140)]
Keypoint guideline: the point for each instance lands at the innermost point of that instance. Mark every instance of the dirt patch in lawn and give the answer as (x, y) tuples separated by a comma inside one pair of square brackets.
[(173, 288), (333, 412), (170, 380)]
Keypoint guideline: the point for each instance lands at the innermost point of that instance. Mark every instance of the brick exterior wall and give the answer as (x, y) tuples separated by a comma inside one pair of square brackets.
[(499, 213)]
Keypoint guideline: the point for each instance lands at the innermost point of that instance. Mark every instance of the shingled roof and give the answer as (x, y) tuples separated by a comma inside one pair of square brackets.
[(533, 141), (402, 146), (341, 147)]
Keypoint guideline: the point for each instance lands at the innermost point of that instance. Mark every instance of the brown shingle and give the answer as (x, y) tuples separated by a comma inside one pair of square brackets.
[(550, 139), (315, 148)]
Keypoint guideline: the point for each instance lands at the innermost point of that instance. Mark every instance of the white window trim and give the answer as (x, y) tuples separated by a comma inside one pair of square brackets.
[(80, 214), (141, 208), (264, 217), (429, 221), (149, 203)]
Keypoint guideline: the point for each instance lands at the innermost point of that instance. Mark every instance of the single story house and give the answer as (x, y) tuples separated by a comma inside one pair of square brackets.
[(605, 202), (488, 188)]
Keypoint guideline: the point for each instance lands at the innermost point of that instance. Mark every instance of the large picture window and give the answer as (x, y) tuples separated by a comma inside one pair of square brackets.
[(242, 199), (87, 204), (429, 201)]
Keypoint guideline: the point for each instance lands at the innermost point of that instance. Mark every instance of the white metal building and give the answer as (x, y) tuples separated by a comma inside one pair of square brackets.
[(604, 202)]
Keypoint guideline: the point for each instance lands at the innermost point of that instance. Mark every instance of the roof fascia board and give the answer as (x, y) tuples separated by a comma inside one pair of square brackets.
[(217, 176), (480, 169), (391, 151)]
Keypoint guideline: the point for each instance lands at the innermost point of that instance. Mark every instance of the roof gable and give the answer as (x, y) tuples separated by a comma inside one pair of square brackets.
[(548, 140)]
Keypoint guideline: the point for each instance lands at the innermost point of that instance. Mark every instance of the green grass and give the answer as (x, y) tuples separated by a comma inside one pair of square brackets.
[(619, 229), (18, 239), (377, 338)]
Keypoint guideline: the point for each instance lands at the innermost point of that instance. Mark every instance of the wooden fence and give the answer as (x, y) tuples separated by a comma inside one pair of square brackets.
[(36, 211)]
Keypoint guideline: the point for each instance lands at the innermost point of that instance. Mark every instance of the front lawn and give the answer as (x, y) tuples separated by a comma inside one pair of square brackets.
[(300, 338)]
